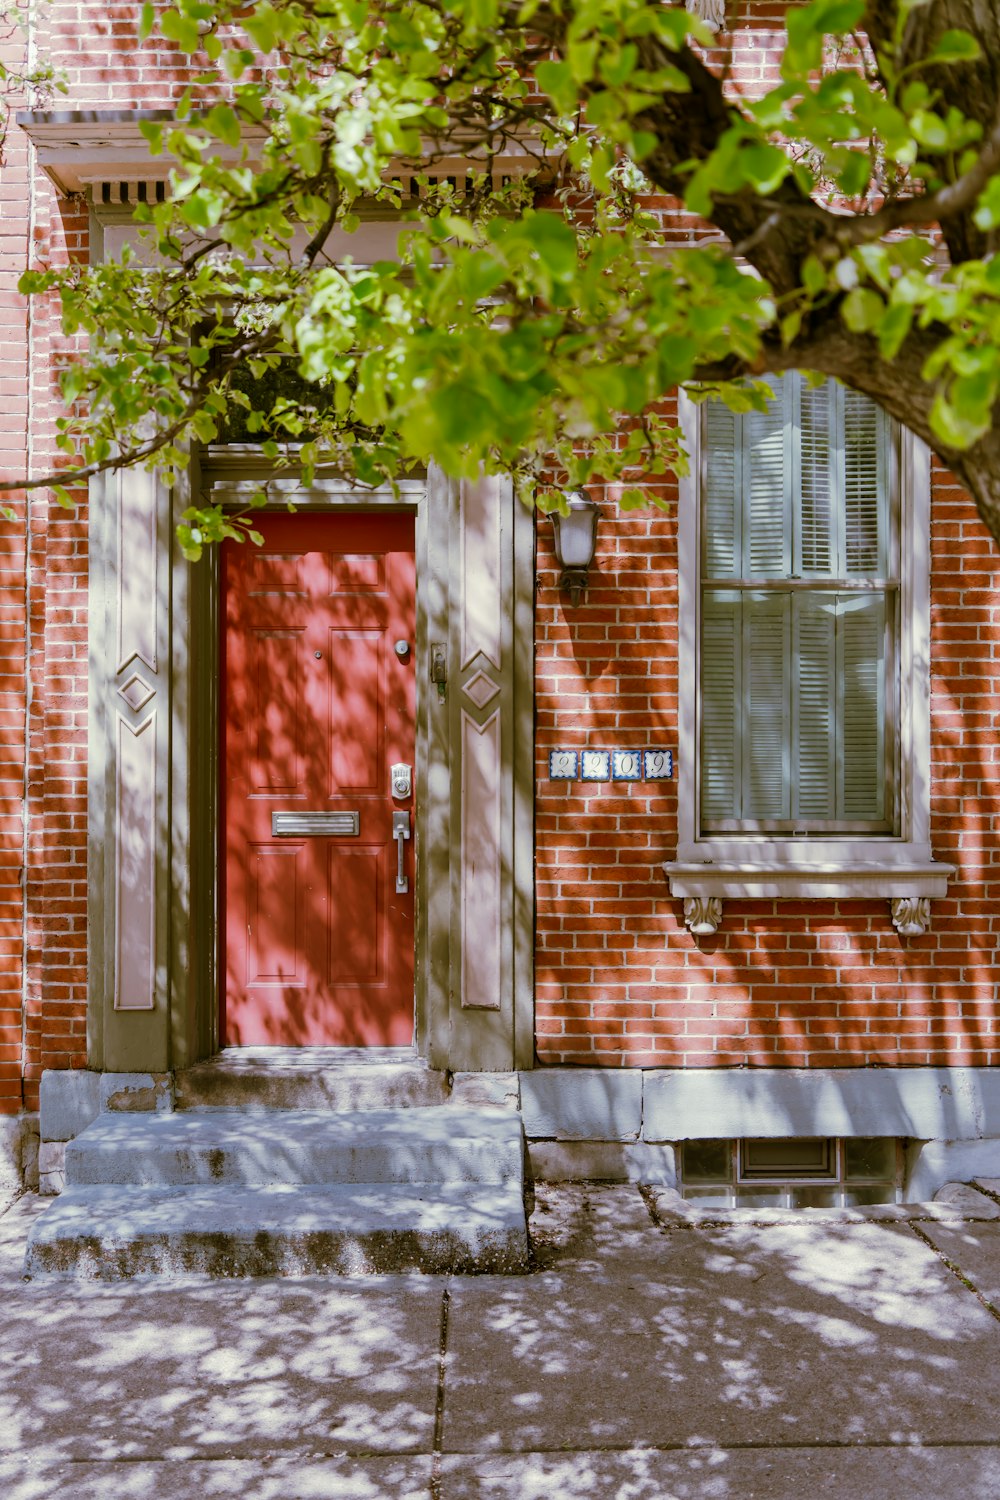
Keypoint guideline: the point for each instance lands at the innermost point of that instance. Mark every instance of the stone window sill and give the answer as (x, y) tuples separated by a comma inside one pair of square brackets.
[(909, 887)]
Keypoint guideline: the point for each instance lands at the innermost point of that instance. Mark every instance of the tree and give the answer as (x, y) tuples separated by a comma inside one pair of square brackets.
[(859, 200)]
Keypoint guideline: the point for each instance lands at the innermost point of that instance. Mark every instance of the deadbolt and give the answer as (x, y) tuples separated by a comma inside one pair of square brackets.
[(402, 649)]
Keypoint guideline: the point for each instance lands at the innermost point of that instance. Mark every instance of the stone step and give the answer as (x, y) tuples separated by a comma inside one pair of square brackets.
[(311, 1078), (203, 1146), (112, 1232)]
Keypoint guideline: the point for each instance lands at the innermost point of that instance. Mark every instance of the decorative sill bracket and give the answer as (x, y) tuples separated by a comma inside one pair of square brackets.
[(911, 915), (702, 915)]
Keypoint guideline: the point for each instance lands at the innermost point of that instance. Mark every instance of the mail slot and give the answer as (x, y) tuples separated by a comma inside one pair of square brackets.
[(291, 825)]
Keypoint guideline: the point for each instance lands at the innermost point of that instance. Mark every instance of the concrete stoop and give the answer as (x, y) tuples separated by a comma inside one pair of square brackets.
[(311, 1078), (288, 1191)]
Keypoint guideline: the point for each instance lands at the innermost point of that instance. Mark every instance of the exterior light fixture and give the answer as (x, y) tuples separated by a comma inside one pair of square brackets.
[(576, 541)]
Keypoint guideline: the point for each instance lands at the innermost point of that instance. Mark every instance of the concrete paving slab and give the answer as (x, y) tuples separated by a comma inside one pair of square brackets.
[(791, 1335), (199, 1368), (298, 1478), (720, 1474), (975, 1250)]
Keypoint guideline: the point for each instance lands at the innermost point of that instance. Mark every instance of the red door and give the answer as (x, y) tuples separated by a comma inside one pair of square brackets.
[(319, 706)]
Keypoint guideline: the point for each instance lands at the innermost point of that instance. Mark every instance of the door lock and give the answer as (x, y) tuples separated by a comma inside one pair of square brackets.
[(402, 779), (401, 833)]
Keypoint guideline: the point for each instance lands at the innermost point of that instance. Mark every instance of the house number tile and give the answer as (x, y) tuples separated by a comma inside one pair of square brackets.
[(562, 765), (611, 765), (657, 765), (595, 765), (626, 765)]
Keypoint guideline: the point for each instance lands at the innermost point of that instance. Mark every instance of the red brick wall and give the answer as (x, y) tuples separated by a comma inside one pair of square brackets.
[(13, 611), (53, 683), (620, 980), (43, 608)]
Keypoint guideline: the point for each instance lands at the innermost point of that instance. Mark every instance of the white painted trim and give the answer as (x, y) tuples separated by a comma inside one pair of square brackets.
[(750, 882), (759, 865)]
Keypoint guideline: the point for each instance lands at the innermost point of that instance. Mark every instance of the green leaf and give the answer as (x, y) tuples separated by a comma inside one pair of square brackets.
[(862, 310), (790, 326), (807, 27), (955, 428), (619, 67), (764, 167), (181, 29), (954, 46), (556, 79), (930, 130), (221, 120), (893, 329), (987, 214)]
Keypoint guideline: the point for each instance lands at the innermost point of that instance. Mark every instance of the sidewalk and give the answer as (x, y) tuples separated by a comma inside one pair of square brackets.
[(640, 1361)]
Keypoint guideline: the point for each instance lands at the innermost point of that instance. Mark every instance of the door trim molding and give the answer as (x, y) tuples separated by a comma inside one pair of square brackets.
[(182, 1025)]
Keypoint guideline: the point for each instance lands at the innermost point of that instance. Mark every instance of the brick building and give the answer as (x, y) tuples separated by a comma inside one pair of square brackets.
[(793, 936)]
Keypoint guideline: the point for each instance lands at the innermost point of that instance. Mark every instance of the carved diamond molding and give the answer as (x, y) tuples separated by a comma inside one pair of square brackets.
[(481, 689), (702, 914), (136, 691), (911, 915)]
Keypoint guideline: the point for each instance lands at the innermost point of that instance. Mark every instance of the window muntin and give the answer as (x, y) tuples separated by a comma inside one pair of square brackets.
[(799, 615)]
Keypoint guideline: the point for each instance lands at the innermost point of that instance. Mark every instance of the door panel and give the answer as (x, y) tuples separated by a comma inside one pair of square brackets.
[(318, 706)]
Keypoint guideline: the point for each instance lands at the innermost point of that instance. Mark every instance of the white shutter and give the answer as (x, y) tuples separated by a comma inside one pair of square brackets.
[(721, 693), (794, 691), (814, 789), (721, 515), (767, 488), (817, 525), (861, 706), (865, 488), (766, 705)]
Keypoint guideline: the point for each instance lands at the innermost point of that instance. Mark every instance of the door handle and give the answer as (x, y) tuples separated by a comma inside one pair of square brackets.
[(401, 832)]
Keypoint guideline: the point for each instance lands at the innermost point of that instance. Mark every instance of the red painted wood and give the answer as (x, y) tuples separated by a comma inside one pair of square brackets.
[(318, 706)]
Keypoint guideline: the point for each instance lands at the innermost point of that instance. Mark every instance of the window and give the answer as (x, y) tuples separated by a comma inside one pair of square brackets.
[(793, 1173), (799, 594), (803, 686)]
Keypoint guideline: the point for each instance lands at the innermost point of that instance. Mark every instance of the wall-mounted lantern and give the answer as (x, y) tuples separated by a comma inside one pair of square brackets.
[(576, 541)]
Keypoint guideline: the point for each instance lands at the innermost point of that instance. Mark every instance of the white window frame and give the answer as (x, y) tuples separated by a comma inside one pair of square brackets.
[(712, 867)]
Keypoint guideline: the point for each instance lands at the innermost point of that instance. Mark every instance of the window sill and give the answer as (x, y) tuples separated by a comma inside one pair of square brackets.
[(909, 886)]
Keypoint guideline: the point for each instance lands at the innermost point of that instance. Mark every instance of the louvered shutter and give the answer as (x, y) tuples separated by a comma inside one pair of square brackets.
[(794, 691), (861, 706), (767, 681), (721, 692), (722, 544), (814, 787), (865, 487), (767, 489), (817, 530)]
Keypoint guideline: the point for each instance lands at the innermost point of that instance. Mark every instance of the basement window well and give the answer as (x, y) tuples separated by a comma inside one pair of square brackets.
[(802, 1172)]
